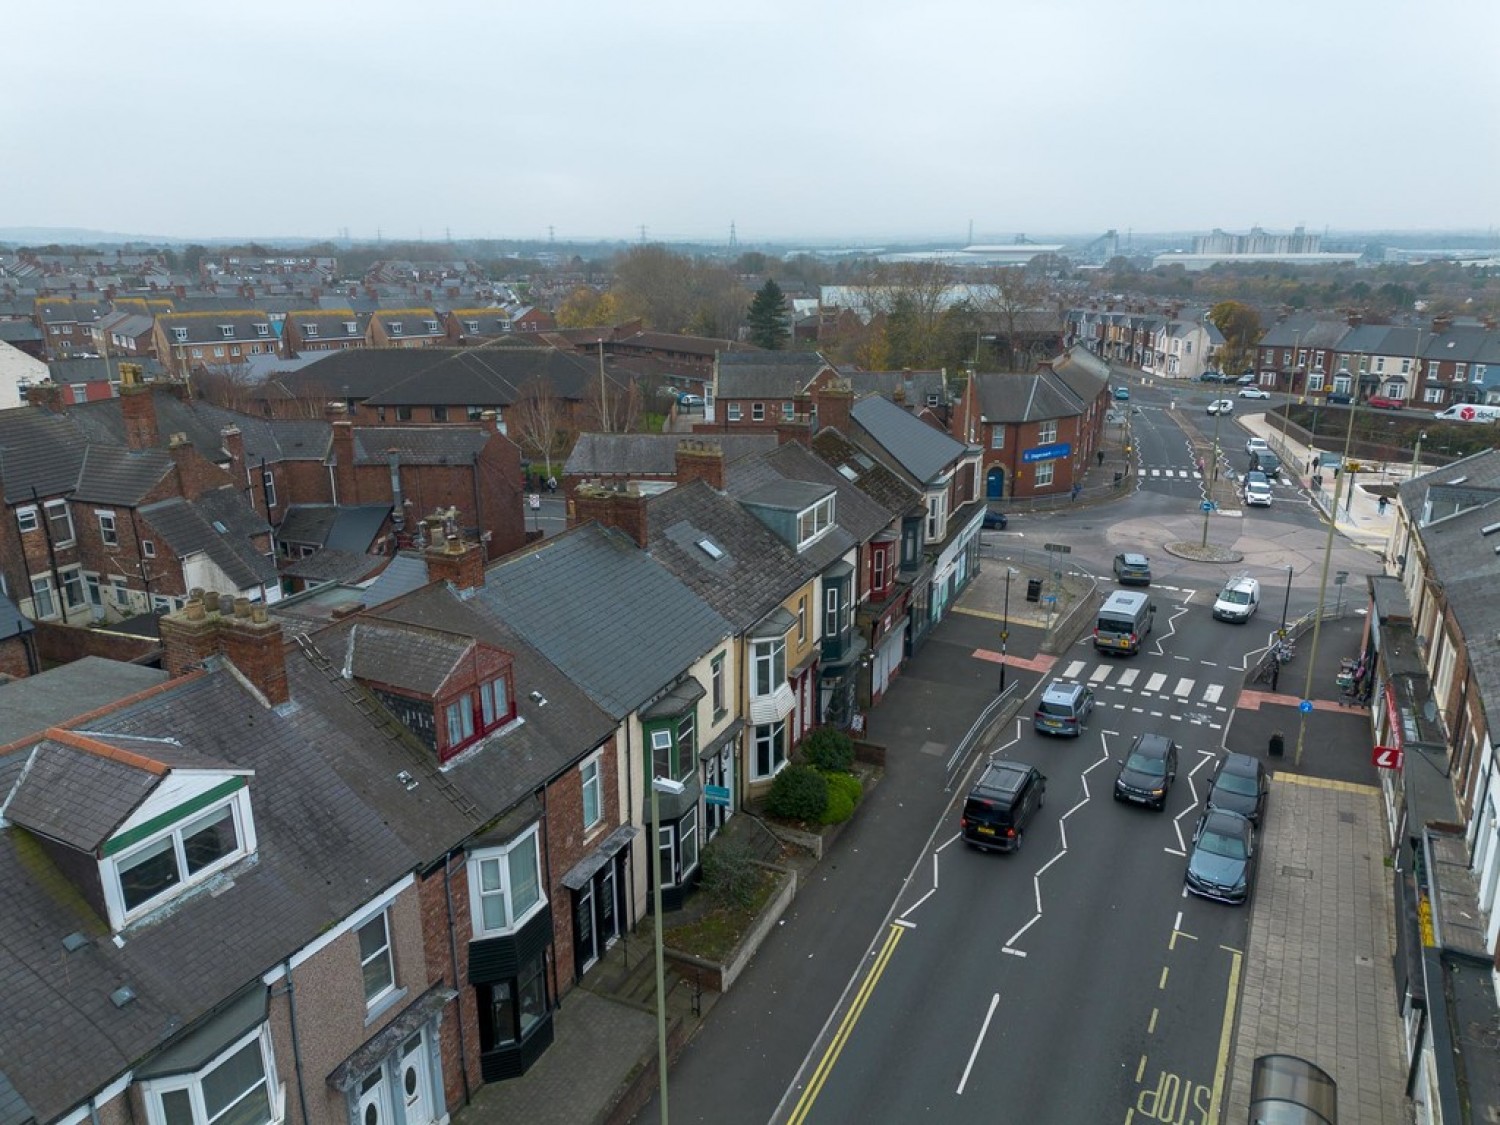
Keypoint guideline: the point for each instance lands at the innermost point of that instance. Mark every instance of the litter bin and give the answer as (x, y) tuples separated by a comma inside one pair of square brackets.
[(1033, 589), (1278, 744)]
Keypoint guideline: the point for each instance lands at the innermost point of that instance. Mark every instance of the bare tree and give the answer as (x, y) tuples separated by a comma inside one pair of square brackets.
[(1011, 301), (911, 298), (538, 422)]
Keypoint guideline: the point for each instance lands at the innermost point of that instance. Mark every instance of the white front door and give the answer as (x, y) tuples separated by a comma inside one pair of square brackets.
[(374, 1101), (416, 1086)]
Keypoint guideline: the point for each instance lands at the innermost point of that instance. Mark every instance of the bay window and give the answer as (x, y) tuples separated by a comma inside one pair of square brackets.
[(505, 885)]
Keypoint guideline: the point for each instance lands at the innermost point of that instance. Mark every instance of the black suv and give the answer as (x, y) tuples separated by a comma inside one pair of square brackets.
[(1147, 772), (1001, 804)]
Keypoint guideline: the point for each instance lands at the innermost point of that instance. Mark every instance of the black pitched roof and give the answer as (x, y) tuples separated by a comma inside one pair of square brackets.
[(867, 473), (220, 525), (596, 454)]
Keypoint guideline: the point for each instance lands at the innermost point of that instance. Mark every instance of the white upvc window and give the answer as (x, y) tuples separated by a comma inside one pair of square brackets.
[(997, 437), (376, 964), (592, 782), (27, 519), (268, 484), (189, 852), (814, 521), (768, 659), (180, 335), (237, 1087), (397, 328), (226, 331), (262, 329), (1044, 473), (309, 330), (734, 411), (108, 533), (770, 750), (1046, 433), (505, 885)]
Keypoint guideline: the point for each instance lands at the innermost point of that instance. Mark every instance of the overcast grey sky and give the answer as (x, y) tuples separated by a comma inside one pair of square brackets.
[(856, 120)]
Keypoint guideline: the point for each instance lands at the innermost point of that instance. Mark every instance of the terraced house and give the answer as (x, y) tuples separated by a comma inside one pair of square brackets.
[(193, 341)]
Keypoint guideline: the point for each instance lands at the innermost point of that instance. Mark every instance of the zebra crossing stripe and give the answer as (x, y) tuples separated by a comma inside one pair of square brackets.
[(1212, 692), (1156, 680), (1129, 676), (1073, 670), (1184, 688), (1100, 673)]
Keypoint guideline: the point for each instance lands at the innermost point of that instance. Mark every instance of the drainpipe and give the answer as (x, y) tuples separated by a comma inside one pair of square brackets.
[(291, 1003), (463, 1046), (547, 882)]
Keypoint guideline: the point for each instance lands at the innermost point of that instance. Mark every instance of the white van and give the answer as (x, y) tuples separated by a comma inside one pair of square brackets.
[(1469, 412)]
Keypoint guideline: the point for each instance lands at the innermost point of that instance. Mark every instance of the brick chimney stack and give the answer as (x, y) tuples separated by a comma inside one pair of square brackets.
[(449, 557), (242, 632), (621, 508), (343, 458), (1442, 323), (834, 401), (700, 460), (138, 407), (1356, 318), (234, 446), (48, 396)]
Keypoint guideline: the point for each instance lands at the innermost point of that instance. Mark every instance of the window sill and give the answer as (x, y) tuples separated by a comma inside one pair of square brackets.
[(384, 1004)]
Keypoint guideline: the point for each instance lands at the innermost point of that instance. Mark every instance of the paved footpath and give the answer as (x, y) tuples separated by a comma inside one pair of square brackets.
[(1318, 980)]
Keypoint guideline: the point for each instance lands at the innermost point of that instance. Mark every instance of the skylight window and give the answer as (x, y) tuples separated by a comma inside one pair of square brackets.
[(711, 549)]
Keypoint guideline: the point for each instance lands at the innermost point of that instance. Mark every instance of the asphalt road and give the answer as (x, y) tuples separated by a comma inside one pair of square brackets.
[(1073, 980)]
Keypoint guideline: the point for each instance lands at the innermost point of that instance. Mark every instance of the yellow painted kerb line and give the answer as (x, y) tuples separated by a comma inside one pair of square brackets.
[(846, 1028), (1221, 1069)]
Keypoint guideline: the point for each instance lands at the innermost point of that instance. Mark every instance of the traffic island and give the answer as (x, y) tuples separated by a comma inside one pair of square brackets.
[(1204, 552)]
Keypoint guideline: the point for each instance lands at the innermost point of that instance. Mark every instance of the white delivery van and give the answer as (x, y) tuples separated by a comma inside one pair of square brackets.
[(1469, 412)]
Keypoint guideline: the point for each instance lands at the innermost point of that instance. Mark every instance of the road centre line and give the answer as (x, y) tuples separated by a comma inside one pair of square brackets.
[(1162, 983), (1011, 941), (983, 1031)]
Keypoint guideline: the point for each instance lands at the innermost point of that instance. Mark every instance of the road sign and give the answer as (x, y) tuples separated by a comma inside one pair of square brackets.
[(1387, 757), (716, 795), (1050, 452), (1305, 706), (1207, 505), (1060, 548)]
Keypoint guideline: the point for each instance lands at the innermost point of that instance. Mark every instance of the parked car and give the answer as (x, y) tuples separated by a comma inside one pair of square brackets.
[(1221, 406), (1246, 379), (1240, 786), (994, 519), (1253, 392), (1211, 377), (690, 401), (1001, 804), (1132, 569), (1122, 394), (1063, 709), (1221, 865), (1339, 399), (1239, 599), (1147, 773), (1384, 402), (1255, 445)]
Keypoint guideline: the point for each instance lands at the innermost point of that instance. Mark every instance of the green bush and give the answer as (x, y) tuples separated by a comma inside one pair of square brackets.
[(798, 793), (730, 873), (840, 806), (828, 748), (845, 783)]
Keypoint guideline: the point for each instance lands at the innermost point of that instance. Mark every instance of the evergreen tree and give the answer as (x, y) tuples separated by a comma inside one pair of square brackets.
[(768, 317)]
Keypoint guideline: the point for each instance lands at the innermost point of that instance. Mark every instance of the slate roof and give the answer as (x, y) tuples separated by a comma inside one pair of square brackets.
[(349, 528), (98, 369), (203, 423), (418, 445), (1010, 397), (755, 571), (334, 828), (188, 528), (116, 475), (33, 703), (78, 797), (867, 473), (405, 573), (1479, 471), (37, 449), (20, 332), (244, 326), (411, 657), (914, 387), (1462, 559), (564, 596), (329, 565), (922, 451), (596, 454), (1082, 372), (765, 375), (854, 511)]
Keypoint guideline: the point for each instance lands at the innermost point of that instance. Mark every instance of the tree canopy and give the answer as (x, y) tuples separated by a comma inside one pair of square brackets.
[(768, 317)]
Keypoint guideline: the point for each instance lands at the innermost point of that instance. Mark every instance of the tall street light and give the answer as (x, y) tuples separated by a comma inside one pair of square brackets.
[(1214, 478), (1005, 626), (660, 785)]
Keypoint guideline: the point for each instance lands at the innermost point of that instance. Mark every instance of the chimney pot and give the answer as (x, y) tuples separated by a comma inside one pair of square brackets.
[(242, 607)]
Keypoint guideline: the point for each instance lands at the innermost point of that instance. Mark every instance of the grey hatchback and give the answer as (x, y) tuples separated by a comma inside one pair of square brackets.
[(1132, 569)]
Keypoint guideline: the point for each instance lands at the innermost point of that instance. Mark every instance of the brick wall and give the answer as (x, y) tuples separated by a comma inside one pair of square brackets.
[(62, 644), (460, 1060), (15, 659)]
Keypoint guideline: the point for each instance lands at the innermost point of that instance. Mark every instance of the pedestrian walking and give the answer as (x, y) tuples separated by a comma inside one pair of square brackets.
[(1077, 488), (1380, 506), (1312, 464), (1100, 455), (551, 484)]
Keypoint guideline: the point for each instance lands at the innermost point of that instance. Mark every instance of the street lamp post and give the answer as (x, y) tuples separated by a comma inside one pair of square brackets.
[(1005, 626), (1286, 601), (1213, 479), (660, 785), (1416, 457)]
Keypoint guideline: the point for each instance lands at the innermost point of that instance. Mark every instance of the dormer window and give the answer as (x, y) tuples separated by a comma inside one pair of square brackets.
[(180, 335), (262, 329), (227, 331), (350, 328), (430, 325), (309, 330), (814, 521), (396, 328), (471, 326), (186, 854)]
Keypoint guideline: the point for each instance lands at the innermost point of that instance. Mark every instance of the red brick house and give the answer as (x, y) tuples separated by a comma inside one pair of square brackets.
[(321, 330)]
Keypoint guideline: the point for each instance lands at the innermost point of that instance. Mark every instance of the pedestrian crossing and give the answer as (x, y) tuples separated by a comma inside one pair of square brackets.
[(1172, 473), (1160, 695)]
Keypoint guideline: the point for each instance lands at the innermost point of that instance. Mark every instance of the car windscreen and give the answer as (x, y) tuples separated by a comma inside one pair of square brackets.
[(1235, 597), (1237, 783), (1150, 764), (1230, 846)]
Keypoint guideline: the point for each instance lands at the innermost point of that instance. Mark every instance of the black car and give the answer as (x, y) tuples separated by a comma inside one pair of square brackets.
[(1132, 569), (1221, 865), (1147, 773), (1264, 461), (995, 519), (1239, 785), (1001, 804)]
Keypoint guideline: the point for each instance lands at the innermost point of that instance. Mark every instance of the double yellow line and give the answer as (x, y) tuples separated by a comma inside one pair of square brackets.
[(846, 1028)]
